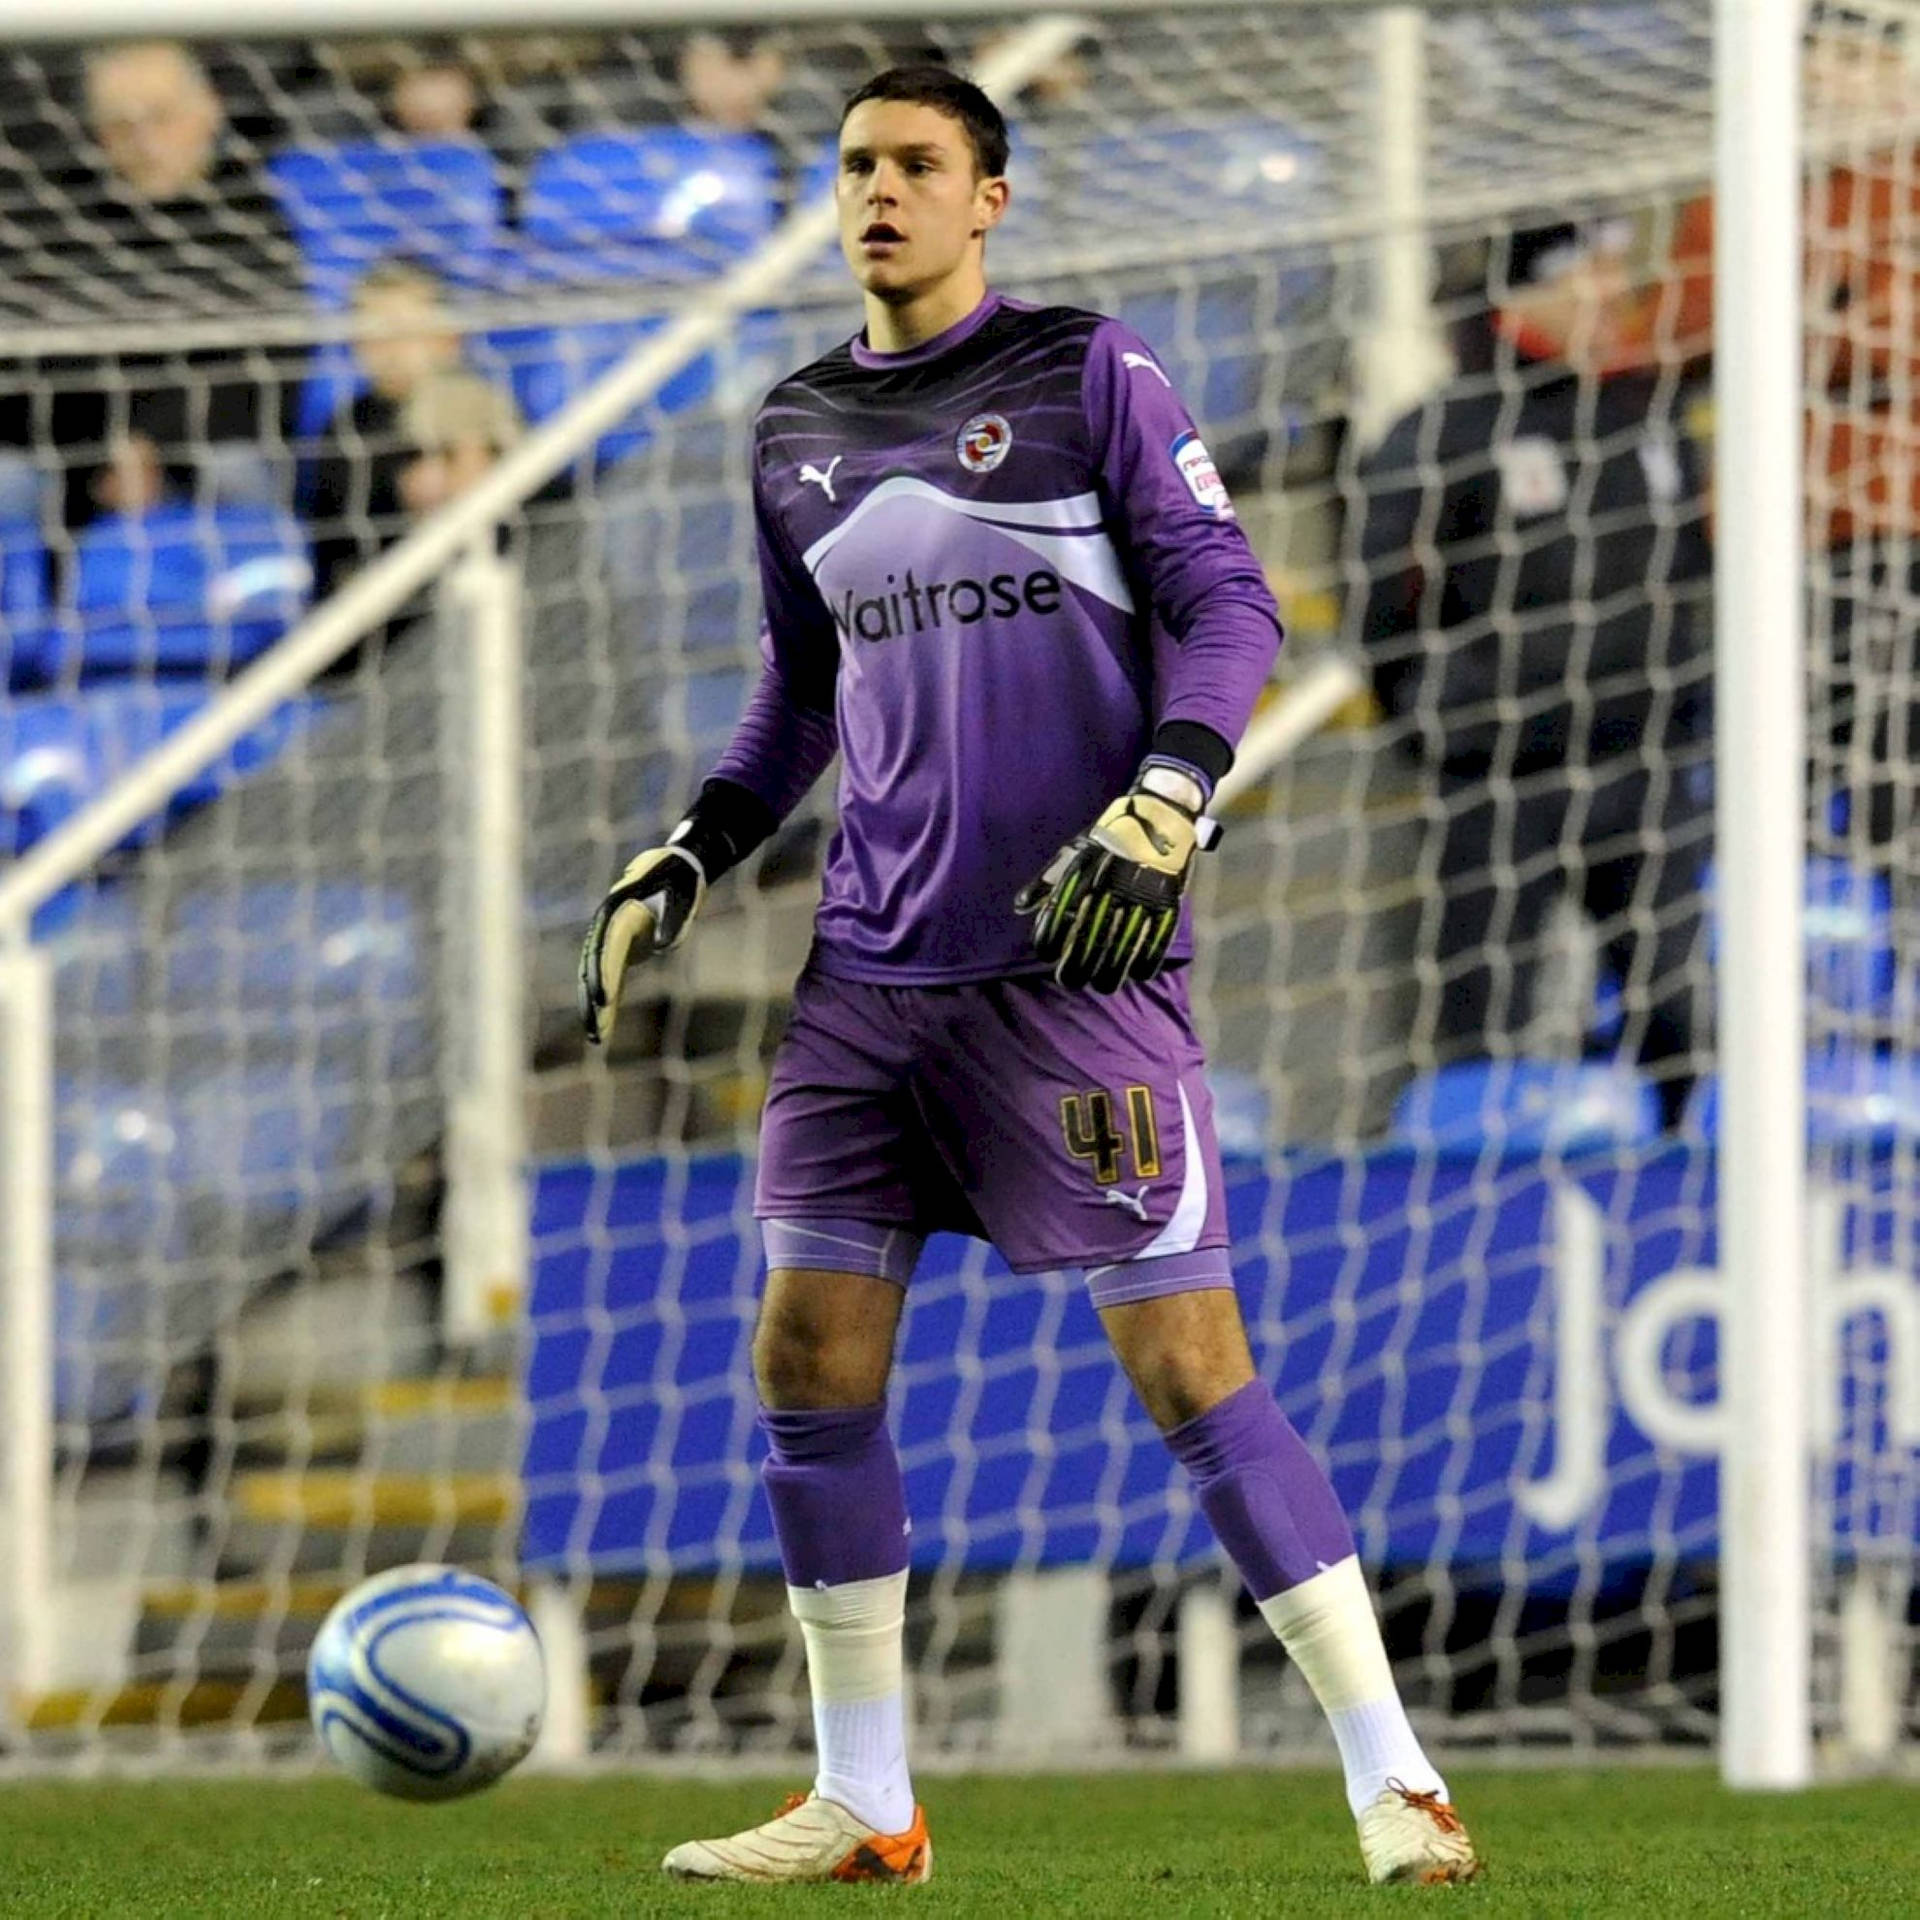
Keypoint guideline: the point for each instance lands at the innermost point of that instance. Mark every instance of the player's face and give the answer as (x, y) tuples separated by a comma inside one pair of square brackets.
[(913, 209)]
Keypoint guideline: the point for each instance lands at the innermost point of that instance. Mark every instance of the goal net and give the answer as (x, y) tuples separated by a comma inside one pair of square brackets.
[(1436, 284)]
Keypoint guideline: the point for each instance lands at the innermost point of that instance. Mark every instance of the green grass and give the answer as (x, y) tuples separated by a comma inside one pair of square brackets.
[(1134, 1846)]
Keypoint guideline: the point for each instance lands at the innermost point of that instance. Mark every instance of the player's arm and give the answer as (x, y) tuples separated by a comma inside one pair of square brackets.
[(784, 741), (1107, 907)]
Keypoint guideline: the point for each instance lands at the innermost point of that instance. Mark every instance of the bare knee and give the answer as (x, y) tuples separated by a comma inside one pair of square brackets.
[(1184, 1353), (824, 1339)]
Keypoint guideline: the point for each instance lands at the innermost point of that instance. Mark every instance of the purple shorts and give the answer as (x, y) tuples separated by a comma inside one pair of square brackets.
[(1070, 1129)]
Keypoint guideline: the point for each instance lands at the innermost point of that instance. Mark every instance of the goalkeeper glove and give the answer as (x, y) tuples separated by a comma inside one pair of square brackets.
[(651, 905), (1108, 905), (646, 912)]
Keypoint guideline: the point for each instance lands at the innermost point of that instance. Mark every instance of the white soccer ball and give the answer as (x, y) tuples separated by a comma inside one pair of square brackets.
[(427, 1683)]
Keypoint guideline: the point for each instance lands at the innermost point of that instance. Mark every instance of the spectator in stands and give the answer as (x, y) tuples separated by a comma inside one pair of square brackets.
[(164, 584), (167, 223), (133, 479), (447, 433), (438, 99), (1534, 554), (456, 425), (728, 81), (404, 335), (1863, 415)]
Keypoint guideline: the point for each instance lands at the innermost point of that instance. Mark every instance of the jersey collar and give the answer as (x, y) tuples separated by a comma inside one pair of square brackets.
[(866, 356)]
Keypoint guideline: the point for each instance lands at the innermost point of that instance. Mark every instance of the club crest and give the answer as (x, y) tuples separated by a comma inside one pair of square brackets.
[(983, 442)]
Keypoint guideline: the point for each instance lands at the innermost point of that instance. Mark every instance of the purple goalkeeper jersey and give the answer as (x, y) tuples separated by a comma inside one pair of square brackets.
[(992, 565)]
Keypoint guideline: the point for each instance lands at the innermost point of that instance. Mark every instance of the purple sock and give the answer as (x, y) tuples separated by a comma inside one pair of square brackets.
[(833, 1482), (1263, 1493)]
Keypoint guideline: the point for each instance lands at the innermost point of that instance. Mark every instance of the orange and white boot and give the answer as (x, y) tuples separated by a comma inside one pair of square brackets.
[(1415, 1839), (809, 1839)]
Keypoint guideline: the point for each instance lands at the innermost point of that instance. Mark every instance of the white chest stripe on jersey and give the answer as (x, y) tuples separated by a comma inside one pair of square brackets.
[(1079, 551)]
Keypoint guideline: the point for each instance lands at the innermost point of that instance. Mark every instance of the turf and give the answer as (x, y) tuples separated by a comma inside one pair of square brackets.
[(1134, 1846)]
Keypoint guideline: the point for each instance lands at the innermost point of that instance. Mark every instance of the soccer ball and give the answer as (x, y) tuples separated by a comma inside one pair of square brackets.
[(427, 1683)]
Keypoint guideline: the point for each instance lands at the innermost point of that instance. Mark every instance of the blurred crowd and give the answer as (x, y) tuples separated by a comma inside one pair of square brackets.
[(144, 197)]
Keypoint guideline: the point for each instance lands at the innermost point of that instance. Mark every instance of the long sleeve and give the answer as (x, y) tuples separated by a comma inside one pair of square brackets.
[(780, 746), (787, 736), (1219, 625)]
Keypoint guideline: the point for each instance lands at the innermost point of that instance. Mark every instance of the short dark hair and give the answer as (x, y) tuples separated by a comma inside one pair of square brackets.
[(946, 92)]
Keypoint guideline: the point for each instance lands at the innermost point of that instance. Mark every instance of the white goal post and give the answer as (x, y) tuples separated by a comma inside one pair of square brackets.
[(1766, 1738), (1386, 320)]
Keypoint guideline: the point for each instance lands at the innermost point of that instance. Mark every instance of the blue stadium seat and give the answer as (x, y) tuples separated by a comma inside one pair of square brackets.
[(714, 700), (60, 751), (647, 203), (1249, 173), (319, 947), (334, 381), (1849, 935), (184, 589), (1856, 1097), (350, 205), (95, 945), (764, 347), (1527, 1106), (25, 606), (549, 366), (1214, 326), (1847, 922), (143, 1174)]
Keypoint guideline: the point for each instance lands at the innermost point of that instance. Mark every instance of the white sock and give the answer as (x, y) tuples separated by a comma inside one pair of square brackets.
[(855, 1669), (1328, 1628)]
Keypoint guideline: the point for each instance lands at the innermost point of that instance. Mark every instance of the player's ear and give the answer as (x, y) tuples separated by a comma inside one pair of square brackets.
[(990, 199)]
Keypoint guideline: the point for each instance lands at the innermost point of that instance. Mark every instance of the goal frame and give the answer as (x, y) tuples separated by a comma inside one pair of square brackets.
[(1766, 1467)]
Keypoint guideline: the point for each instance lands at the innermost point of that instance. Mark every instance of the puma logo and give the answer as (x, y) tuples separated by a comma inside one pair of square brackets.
[(812, 475), (1135, 1203), (1141, 360)]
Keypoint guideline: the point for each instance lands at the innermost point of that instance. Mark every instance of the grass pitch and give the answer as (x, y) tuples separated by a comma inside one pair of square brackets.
[(1133, 1846)]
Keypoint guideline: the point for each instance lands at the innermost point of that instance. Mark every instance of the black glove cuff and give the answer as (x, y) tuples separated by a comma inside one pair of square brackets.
[(1198, 746), (723, 826)]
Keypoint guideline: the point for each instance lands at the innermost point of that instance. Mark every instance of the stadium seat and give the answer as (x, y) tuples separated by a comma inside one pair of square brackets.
[(298, 948), (147, 1177), (1848, 928), (95, 945), (60, 751), (1214, 326), (649, 203), (1856, 1097), (334, 381), (182, 590), (1849, 935), (350, 205), (1527, 1107), (25, 608), (550, 366), (714, 700)]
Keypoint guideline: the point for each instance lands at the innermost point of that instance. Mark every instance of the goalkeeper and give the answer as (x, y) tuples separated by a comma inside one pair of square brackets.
[(1002, 580)]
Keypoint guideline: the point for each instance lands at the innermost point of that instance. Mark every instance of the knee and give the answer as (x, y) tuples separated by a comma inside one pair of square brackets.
[(1178, 1390), (805, 1358)]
